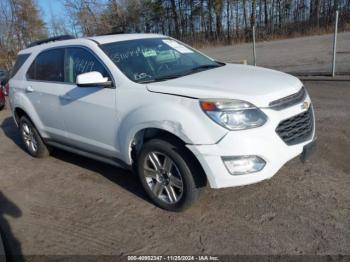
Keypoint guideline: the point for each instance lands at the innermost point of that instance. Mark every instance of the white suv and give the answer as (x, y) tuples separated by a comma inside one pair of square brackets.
[(179, 118)]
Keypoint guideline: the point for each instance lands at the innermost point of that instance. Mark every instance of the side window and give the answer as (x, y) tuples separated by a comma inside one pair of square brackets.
[(79, 61), (31, 71), (20, 60), (48, 66)]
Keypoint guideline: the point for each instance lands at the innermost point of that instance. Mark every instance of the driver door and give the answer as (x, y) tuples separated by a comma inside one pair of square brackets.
[(89, 113)]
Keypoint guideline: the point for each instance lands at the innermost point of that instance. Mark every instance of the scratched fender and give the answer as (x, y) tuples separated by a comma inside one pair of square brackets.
[(172, 114)]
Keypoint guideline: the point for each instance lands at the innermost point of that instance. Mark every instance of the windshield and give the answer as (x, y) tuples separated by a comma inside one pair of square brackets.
[(156, 59)]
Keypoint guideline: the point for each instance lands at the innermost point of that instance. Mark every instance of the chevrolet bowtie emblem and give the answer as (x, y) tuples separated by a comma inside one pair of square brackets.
[(305, 105)]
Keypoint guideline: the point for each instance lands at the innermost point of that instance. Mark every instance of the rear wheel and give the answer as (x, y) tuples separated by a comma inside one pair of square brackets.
[(166, 176), (32, 141)]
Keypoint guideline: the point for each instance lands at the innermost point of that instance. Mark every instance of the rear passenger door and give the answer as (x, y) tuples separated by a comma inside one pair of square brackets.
[(88, 112), (43, 87)]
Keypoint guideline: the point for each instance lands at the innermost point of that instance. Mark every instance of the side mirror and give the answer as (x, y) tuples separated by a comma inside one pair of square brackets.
[(93, 79)]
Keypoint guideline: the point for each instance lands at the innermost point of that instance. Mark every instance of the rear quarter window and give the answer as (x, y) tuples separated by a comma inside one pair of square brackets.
[(20, 60)]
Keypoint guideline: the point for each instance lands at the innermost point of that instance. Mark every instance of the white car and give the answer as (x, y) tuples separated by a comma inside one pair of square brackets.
[(150, 103)]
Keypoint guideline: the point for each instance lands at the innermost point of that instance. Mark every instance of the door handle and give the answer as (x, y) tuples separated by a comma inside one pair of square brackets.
[(29, 89)]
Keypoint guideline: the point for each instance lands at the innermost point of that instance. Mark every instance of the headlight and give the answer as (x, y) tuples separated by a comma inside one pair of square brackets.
[(233, 114)]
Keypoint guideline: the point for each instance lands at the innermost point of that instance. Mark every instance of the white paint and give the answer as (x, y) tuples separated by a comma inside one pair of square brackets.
[(105, 120), (91, 78), (257, 85)]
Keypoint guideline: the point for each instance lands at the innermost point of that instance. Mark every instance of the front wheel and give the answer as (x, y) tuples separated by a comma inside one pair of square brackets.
[(166, 176)]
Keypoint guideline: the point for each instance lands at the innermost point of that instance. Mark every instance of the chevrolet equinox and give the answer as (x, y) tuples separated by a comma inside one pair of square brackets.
[(147, 102)]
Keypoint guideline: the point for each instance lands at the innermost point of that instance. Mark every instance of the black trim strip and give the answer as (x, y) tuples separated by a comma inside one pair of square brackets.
[(79, 151), (191, 97)]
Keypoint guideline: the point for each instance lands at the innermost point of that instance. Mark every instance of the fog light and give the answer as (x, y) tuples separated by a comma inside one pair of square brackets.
[(241, 165)]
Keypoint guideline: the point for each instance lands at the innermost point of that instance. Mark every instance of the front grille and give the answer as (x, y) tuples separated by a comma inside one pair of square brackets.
[(296, 129), (289, 100)]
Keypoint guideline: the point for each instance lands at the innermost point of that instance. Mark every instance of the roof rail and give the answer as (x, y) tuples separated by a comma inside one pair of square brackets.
[(116, 30), (51, 39)]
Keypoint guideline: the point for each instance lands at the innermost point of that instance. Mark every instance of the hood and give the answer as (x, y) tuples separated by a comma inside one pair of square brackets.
[(256, 85)]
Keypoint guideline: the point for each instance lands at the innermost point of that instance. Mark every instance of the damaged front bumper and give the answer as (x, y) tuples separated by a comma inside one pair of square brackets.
[(259, 143)]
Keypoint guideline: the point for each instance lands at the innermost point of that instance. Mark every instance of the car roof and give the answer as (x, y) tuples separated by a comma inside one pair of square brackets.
[(104, 39)]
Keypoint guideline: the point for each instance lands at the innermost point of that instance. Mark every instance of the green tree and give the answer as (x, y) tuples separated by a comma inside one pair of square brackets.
[(21, 24)]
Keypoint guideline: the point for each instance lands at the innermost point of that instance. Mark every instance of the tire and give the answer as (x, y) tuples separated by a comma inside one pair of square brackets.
[(31, 139), (166, 176)]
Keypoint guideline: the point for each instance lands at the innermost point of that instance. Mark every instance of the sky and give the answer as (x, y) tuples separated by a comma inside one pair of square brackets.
[(49, 7)]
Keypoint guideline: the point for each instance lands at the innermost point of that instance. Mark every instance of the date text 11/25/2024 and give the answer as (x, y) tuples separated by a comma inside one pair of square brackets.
[(173, 258)]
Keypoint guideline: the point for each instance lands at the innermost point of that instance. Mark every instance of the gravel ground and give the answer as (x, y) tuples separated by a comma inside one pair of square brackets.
[(312, 54), (67, 204)]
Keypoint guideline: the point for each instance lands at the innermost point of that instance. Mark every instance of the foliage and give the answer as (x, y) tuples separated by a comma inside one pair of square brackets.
[(199, 22), (210, 20), (20, 24)]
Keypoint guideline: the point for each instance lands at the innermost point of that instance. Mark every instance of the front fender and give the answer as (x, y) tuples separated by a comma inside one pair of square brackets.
[(184, 120)]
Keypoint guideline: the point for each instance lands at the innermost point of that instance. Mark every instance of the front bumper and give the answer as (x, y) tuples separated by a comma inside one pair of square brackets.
[(308, 150), (263, 142)]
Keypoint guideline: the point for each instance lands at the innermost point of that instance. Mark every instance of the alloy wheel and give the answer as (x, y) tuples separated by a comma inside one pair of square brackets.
[(163, 177), (29, 137)]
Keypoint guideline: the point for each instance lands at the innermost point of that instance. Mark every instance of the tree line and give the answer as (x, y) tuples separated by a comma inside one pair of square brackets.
[(198, 22), (20, 24), (206, 21)]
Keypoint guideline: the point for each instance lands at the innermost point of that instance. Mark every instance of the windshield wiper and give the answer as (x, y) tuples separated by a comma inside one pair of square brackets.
[(192, 70), (203, 67), (162, 78)]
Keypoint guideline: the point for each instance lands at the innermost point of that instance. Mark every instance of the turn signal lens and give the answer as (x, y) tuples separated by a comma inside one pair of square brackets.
[(208, 106)]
